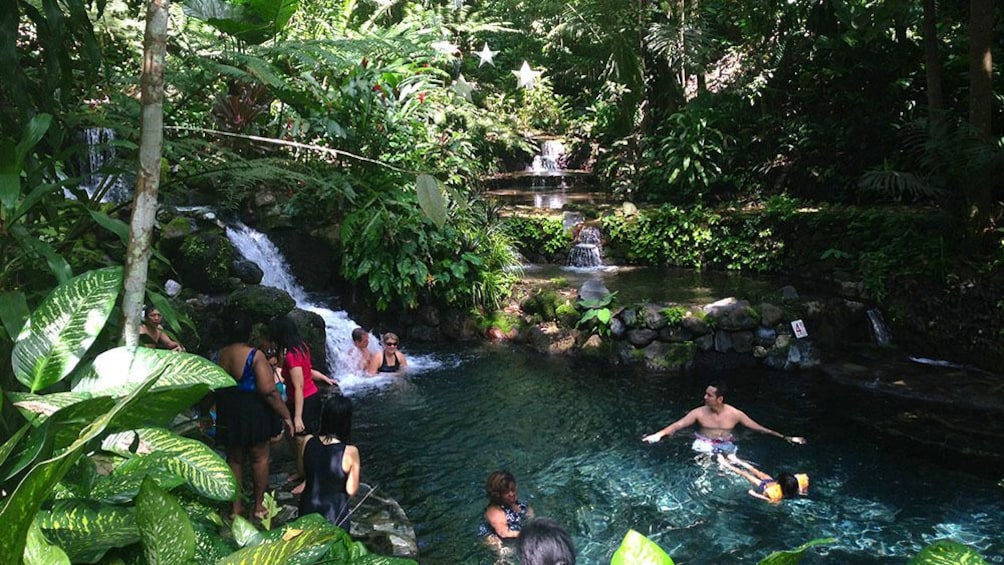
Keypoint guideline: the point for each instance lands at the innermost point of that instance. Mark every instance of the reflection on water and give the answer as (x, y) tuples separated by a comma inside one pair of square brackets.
[(571, 433)]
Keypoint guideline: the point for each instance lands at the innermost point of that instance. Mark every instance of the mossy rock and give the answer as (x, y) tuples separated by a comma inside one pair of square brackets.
[(261, 303), (203, 261)]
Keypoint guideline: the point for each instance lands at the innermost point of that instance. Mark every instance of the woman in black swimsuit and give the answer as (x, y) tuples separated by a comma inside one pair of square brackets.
[(390, 360)]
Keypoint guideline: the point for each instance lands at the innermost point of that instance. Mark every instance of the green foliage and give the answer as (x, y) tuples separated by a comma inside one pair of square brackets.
[(684, 159), (945, 552), (145, 501), (674, 314), (252, 21), (596, 313), (538, 234), (636, 549)]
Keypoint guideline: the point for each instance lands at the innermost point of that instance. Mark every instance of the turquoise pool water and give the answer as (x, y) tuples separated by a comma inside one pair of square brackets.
[(571, 433)]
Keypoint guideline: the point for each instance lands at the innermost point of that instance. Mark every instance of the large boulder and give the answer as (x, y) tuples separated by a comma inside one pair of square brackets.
[(203, 261), (261, 303)]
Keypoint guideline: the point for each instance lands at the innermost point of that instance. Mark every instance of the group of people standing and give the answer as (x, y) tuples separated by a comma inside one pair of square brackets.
[(253, 413), (276, 393)]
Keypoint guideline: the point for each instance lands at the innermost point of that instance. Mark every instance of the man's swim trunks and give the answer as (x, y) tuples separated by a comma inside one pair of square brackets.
[(704, 444)]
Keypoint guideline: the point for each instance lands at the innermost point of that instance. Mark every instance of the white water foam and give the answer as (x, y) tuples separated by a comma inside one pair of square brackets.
[(343, 358)]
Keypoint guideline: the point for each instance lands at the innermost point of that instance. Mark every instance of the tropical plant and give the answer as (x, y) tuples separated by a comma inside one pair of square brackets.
[(596, 312), (93, 470), (684, 158)]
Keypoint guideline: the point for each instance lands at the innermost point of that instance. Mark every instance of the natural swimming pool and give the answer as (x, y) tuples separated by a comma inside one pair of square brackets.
[(571, 433)]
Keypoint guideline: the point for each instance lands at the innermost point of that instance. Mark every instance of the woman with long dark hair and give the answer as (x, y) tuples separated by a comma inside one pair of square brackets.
[(301, 393), (331, 465)]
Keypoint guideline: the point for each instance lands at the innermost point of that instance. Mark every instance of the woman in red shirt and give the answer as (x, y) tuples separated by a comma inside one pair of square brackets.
[(301, 393)]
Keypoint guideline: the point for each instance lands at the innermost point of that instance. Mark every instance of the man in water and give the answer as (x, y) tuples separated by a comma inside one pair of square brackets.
[(717, 419), (361, 341)]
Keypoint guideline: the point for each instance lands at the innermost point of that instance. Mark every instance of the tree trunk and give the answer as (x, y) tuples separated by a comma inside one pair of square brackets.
[(144, 208), (981, 96), (932, 63)]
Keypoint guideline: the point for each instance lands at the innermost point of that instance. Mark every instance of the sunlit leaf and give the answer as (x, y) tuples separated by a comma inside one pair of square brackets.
[(59, 332), (164, 526), (22, 505), (947, 552), (430, 199), (637, 549), (38, 550), (87, 529)]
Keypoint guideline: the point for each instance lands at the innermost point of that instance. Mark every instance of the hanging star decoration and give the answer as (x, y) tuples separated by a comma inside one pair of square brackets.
[(526, 75), (486, 55), (462, 88)]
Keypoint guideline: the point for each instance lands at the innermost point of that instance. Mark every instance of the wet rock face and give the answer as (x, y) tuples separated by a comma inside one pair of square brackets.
[(937, 411)]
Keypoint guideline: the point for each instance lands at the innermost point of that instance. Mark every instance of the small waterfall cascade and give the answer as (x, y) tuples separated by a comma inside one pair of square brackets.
[(97, 178), (585, 254), (880, 332), (550, 160), (257, 248)]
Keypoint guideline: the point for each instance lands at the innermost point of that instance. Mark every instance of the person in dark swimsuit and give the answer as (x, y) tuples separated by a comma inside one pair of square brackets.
[(390, 360), (152, 335), (249, 413), (331, 465), (505, 514)]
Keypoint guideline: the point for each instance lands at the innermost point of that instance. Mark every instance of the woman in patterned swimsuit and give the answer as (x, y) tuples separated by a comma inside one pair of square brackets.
[(505, 513)]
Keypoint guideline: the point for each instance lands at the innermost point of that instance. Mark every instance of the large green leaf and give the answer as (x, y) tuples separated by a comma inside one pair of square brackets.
[(206, 472), (124, 483), (10, 174), (87, 529), (117, 371), (160, 407), (21, 506), (430, 199), (12, 442), (13, 312), (65, 325), (254, 21), (36, 408), (789, 557), (637, 549), (285, 545), (947, 552), (164, 527), (38, 550)]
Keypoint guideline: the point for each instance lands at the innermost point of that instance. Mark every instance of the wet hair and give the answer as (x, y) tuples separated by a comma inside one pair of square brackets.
[(544, 542), (720, 388), (336, 418), (390, 335), (788, 483), (286, 336), (237, 327), (498, 484), (358, 334)]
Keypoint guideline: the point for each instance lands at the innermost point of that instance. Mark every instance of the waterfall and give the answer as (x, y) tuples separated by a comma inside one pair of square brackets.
[(586, 252), (98, 175), (880, 332), (342, 356), (549, 161)]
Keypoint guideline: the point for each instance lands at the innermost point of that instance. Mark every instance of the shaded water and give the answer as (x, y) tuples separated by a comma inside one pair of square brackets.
[(571, 433), (637, 284)]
